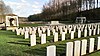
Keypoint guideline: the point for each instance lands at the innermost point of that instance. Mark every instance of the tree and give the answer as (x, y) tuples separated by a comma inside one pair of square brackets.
[(61, 9), (35, 17), (4, 10), (97, 3)]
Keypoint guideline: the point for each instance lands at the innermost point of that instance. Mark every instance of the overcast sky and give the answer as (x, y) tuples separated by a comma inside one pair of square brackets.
[(25, 8)]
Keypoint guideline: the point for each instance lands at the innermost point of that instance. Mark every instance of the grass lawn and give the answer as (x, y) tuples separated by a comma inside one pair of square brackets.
[(95, 54), (12, 45)]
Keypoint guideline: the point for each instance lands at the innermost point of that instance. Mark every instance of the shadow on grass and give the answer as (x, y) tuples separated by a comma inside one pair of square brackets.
[(15, 36), (41, 51), (37, 52), (61, 50), (21, 43), (6, 33), (88, 54)]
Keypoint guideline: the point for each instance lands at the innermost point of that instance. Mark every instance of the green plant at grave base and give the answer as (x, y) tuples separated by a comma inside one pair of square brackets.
[(12, 45)]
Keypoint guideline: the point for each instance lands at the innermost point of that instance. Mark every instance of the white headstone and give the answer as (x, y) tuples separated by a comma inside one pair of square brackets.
[(65, 30), (33, 32), (70, 30), (30, 30), (40, 33), (91, 46), (82, 29), (13, 30), (74, 28), (43, 39), (51, 50), (69, 49), (33, 40), (43, 29), (48, 32), (98, 44), (77, 48), (55, 37), (27, 29), (63, 36), (38, 29), (54, 31), (79, 33), (90, 32), (56, 28), (94, 31), (22, 32), (85, 33), (84, 47), (61, 31), (72, 34), (98, 30), (26, 35), (18, 31)]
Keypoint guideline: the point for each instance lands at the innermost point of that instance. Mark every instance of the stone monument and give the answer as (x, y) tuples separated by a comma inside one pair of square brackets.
[(81, 20), (55, 23), (11, 21)]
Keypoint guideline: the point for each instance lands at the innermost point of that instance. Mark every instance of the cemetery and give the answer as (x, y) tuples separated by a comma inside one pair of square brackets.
[(63, 28), (53, 40)]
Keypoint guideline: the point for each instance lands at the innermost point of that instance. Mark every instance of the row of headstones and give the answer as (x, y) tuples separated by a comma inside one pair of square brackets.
[(60, 27), (76, 48), (30, 31), (43, 39), (43, 36), (86, 32)]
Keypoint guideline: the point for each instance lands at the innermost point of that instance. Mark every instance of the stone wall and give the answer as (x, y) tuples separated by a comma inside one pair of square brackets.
[(2, 19), (22, 19)]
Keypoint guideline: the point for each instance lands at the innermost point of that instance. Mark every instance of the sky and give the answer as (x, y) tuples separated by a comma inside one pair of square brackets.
[(24, 8)]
